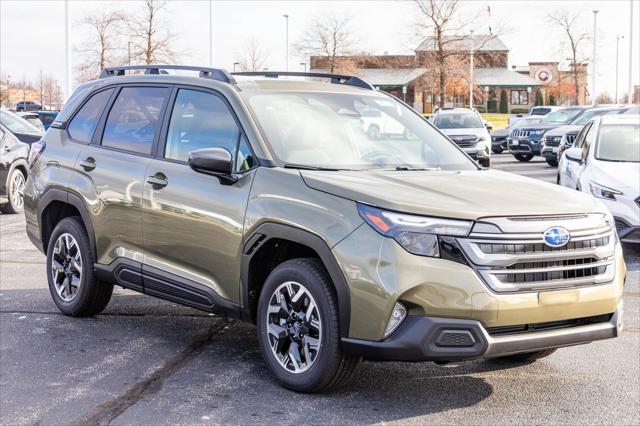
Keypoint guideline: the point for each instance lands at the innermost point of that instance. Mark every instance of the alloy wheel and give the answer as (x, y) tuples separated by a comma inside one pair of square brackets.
[(66, 267), (17, 190), (294, 327)]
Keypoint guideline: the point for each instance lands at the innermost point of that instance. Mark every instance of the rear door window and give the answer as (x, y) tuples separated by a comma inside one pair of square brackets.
[(135, 119), (84, 123)]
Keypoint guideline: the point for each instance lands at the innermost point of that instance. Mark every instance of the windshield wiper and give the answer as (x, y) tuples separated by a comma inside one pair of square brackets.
[(306, 167)]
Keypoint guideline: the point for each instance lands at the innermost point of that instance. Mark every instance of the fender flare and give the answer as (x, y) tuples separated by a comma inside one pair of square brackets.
[(56, 194), (270, 230)]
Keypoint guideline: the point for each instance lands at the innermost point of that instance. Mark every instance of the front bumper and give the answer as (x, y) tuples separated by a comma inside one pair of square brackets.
[(626, 232), (443, 339), (550, 152)]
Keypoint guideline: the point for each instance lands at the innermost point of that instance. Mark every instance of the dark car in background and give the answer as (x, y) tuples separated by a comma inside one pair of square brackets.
[(47, 117), (552, 139), (27, 106), (13, 171), (525, 142), (20, 127), (499, 137)]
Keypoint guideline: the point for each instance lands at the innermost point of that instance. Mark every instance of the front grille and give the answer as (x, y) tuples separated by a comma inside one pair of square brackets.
[(518, 259), (553, 325), (515, 134), (465, 141), (553, 141)]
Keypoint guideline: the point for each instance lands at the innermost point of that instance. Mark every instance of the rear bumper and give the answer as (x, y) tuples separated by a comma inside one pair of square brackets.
[(443, 339)]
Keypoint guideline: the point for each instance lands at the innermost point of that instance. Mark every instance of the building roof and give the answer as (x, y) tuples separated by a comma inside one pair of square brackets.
[(502, 77), (483, 43), (385, 77)]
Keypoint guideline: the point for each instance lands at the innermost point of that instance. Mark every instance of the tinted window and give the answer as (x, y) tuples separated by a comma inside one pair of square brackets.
[(563, 116), (134, 119), (200, 120), (458, 121), (619, 142), (84, 123)]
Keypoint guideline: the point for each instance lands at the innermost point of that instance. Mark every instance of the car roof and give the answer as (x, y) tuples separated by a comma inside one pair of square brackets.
[(455, 110)]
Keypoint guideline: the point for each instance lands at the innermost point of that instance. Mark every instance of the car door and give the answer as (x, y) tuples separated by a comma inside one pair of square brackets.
[(110, 172), (572, 168), (192, 222)]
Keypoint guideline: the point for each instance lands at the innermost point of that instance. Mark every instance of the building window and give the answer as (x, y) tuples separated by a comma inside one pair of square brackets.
[(519, 97)]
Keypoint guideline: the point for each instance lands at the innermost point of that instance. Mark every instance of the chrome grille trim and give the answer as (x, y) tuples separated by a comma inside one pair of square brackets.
[(520, 261), (520, 134)]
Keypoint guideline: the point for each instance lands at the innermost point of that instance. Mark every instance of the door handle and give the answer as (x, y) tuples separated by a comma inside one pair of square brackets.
[(158, 181), (88, 164)]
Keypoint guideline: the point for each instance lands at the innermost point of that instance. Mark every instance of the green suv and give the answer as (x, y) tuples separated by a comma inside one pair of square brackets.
[(265, 199)]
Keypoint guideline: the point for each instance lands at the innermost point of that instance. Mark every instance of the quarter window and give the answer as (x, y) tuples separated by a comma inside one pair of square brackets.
[(201, 120), (85, 121), (134, 119)]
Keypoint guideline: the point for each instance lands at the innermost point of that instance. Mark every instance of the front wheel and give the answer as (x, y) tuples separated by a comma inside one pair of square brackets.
[(523, 157), (485, 162), (298, 328), (552, 162), (15, 192)]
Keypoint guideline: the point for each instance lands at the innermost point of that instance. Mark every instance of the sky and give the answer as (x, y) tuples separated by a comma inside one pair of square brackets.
[(32, 32)]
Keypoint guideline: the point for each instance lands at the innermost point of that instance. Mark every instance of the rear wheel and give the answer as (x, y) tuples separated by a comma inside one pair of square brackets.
[(298, 328), (527, 356), (73, 286), (552, 162), (497, 149), (485, 162), (15, 192), (523, 157)]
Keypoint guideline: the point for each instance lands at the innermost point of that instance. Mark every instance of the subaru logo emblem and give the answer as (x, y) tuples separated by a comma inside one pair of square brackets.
[(556, 236)]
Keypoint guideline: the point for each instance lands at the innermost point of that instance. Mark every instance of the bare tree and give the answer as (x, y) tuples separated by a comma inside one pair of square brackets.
[(49, 91), (329, 37), (150, 36), (576, 37), (254, 57), (100, 50)]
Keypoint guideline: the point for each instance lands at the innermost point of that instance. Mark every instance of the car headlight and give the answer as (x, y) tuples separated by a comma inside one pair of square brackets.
[(420, 235), (601, 191), (538, 132)]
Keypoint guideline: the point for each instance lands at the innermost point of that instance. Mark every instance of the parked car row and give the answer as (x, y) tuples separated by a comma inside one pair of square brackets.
[(604, 161)]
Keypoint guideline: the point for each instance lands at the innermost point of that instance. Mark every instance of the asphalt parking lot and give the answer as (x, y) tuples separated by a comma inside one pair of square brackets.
[(146, 361)]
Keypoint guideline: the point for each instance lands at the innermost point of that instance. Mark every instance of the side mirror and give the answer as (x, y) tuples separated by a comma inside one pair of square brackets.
[(213, 161), (489, 126), (574, 154)]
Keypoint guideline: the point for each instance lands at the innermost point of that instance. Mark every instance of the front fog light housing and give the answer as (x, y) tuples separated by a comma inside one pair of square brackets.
[(398, 315)]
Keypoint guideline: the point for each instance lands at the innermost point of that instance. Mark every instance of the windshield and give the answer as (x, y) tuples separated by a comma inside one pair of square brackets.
[(582, 120), (563, 116), (458, 121), (17, 124), (540, 111), (619, 142), (525, 121), (351, 131)]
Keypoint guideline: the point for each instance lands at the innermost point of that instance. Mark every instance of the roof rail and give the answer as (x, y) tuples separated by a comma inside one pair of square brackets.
[(212, 73), (348, 80)]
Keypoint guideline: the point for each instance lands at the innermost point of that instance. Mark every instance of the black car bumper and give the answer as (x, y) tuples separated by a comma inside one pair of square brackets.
[(627, 232), (446, 339)]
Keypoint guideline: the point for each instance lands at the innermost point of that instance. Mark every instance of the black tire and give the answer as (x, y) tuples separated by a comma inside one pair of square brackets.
[(485, 162), (14, 206), (552, 162), (527, 356), (92, 295), (497, 149), (523, 157), (332, 367)]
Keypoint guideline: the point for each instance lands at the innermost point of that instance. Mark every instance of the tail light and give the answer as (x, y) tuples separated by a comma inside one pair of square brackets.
[(34, 153)]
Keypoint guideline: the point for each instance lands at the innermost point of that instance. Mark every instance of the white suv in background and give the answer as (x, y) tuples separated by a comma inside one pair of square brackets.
[(604, 161), (466, 128)]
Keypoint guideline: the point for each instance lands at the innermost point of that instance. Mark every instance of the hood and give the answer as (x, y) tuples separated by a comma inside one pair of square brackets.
[(453, 194), (501, 133), (622, 176), (539, 126), (563, 130), (475, 131)]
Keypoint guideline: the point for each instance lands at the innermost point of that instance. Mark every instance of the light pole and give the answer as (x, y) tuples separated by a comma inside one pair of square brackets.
[(593, 68), (235, 64), (618, 38), (67, 50), (471, 72), (304, 64), (210, 33), (286, 49), (486, 97), (129, 51), (630, 93)]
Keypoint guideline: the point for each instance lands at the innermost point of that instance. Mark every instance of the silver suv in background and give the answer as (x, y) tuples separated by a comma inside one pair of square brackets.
[(465, 127)]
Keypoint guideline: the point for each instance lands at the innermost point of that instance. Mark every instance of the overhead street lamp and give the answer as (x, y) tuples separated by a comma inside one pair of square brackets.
[(593, 68), (286, 18), (471, 71), (618, 38)]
